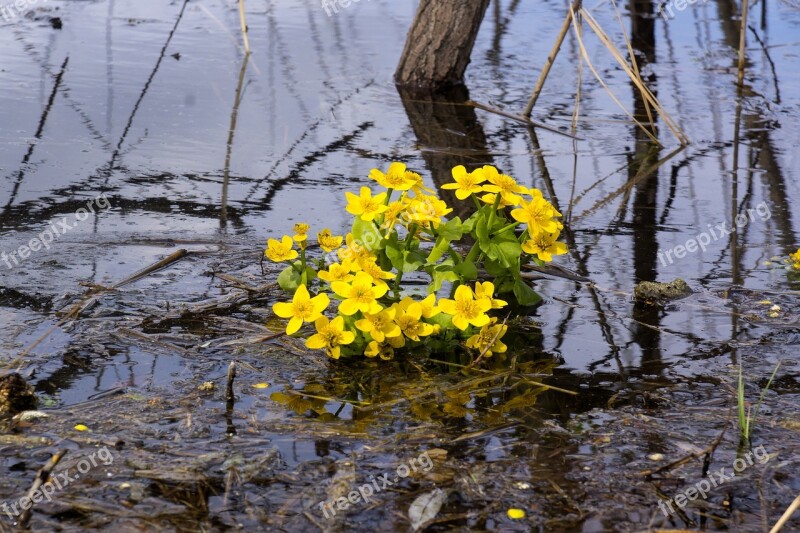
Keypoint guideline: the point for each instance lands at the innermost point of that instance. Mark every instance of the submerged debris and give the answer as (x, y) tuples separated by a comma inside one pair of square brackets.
[(653, 292), (15, 395)]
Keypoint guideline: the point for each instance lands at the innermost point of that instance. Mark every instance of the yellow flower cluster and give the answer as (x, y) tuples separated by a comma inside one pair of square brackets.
[(413, 206), (795, 259), (373, 317), (540, 216)]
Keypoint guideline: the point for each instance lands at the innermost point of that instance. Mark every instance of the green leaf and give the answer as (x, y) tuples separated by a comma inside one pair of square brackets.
[(469, 225), (525, 295), (366, 234), (494, 268), (289, 279), (482, 230), (451, 230), (394, 252), (467, 270), (443, 319), (439, 277), (509, 253), (448, 232), (412, 261)]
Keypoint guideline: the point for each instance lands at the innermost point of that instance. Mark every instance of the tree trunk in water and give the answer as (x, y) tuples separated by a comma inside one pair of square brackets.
[(450, 134), (439, 43)]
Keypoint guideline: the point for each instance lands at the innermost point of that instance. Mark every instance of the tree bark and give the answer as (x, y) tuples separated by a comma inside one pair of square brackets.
[(439, 43)]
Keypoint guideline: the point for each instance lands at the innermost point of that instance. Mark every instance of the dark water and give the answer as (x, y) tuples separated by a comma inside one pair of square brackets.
[(151, 105)]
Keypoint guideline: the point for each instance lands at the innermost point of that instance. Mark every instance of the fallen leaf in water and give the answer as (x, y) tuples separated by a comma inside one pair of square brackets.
[(426, 507)]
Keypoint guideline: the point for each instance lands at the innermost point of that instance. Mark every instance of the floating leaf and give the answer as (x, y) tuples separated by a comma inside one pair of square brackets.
[(425, 508), (261, 386)]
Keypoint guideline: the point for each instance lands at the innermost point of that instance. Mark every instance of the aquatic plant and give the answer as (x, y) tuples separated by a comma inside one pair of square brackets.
[(794, 260), (746, 420), (402, 230)]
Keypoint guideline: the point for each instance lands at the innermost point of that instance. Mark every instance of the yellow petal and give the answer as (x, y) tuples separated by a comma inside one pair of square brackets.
[(81, 427), (348, 307), (261, 385), (516, 514), (460, 322), (283, 309), (316, 342), (321, 302), (294, 324)]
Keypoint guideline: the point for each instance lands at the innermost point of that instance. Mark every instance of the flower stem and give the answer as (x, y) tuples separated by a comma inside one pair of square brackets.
[(494, 209), (303, 277)]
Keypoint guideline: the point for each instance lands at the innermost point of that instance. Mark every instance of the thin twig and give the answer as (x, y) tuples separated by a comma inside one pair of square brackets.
[(244, 27), (490, 343), (742, 43), (41, 479), (519, 118), (683, 460), (229, 396), (790, 511), (90, 297), (576, 6)]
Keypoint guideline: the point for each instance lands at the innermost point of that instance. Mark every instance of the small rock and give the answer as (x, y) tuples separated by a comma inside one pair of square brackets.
[(15, 395), (652, 292), (30, 416)]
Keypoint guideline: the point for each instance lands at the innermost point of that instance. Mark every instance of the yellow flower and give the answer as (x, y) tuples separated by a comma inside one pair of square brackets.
[(407, 316), (544, 246), (426, 208), (489, 198), (365, 206), (538, 214), (336, 272), (354, 252), (429, 307), (379, 325), (796, 258), (377, 274), (303, 308), (327, 241), (465, 309), (466, 183), (396, 177), (507, 186), (395, 212), (486, 290), (359, 295), (278, 251), (301, 232), (385, 352), (330, 336), (418, 185), (487, 341)]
